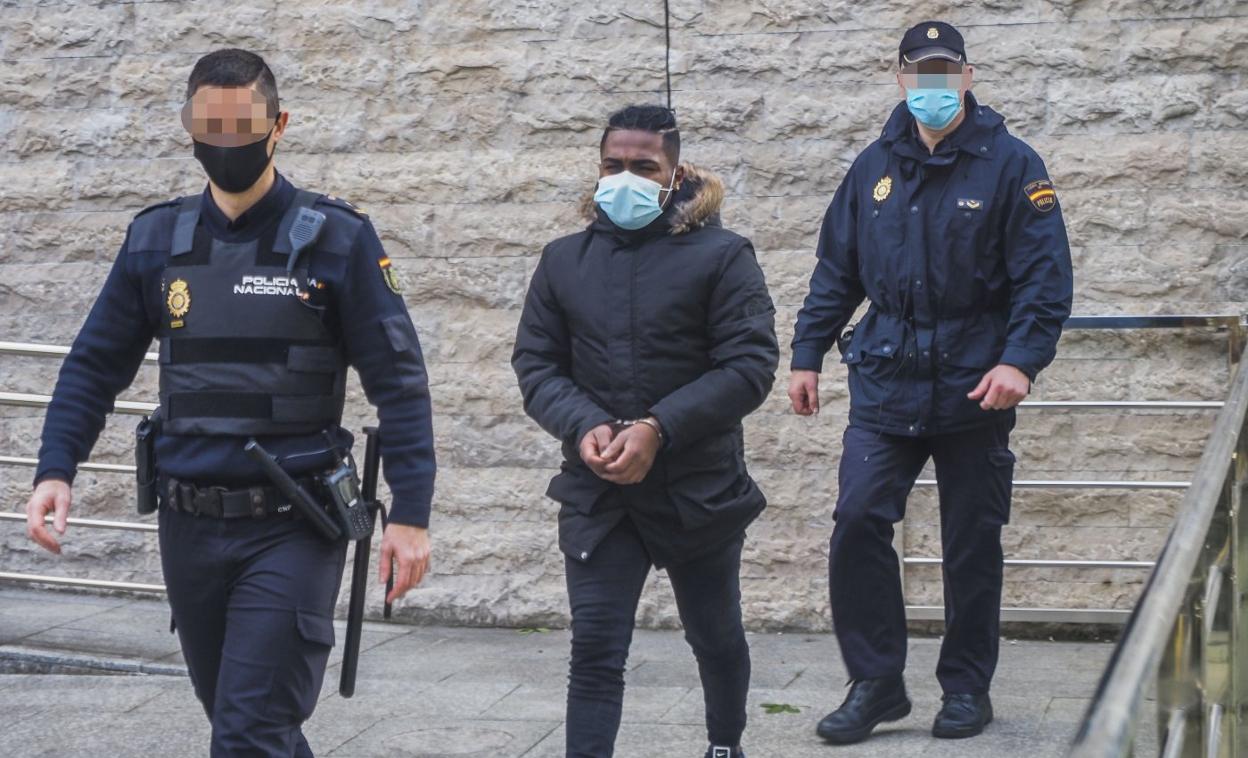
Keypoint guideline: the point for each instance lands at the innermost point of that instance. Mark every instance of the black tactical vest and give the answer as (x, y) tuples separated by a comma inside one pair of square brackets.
[(241, 352)]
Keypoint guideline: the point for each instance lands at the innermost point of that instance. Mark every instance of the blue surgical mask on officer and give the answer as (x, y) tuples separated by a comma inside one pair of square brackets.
[(934, 108), (629, 200)]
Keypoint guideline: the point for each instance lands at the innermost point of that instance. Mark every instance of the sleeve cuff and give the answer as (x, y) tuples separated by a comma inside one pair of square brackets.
[(53, 473), (806, 359), (663, 418), (1019, 359), (410, 519), (53, 465), (410, 509), (596, 420)]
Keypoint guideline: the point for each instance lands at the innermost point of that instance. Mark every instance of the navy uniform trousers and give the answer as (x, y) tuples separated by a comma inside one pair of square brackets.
[(974, 473), (253, 603)]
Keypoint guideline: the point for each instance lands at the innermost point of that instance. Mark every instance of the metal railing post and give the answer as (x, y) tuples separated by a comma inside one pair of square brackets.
[(1214, 651), (1237, 725), (1177, 691), (1237, 337)]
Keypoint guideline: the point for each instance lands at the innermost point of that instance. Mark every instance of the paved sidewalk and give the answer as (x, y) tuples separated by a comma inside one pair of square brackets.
[(427, 691)]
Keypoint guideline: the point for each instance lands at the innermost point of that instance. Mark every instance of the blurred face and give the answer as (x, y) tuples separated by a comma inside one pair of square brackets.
[(235, 135), (936, 73), (641, 153)]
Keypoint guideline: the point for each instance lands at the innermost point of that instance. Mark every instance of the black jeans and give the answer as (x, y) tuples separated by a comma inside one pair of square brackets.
[(604, 591), (253, 601), (974, 474)]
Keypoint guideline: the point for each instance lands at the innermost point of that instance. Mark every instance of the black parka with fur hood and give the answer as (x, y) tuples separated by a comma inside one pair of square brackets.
[(672, 320)]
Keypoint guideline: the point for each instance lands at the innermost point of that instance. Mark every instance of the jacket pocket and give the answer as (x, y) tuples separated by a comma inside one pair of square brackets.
[(873, 367), (976, 343), (577, 487), (706, 478)]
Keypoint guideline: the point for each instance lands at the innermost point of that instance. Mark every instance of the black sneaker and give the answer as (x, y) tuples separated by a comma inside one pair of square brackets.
[(869, 703), (962, 716), (719, 751)]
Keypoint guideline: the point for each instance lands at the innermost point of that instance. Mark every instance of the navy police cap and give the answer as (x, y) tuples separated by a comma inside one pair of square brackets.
[(931, 39)]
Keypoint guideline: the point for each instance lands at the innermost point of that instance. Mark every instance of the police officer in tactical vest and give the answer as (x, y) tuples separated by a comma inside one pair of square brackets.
[(950, 227), (260, 294)]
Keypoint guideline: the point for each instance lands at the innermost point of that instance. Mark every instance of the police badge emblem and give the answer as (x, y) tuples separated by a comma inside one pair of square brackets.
[(178, 301), (882, 188), (933, 32)]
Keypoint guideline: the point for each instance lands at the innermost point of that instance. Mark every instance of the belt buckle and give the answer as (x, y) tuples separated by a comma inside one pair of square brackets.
[(208, 501)]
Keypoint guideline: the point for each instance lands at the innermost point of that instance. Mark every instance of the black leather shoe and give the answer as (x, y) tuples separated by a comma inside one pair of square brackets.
[(869, 703), (962, 716), (719, 751)]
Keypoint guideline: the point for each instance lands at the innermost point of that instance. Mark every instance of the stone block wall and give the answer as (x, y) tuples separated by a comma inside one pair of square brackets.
[(468, 131)]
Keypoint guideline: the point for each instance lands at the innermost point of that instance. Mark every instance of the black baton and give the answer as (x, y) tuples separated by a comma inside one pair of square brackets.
[(297, 495), (359, 567)]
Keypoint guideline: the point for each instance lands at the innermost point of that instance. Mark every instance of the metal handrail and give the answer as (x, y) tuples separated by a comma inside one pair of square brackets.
[(1186, 321), (30, 400), (125, 526), (73, 581), (40, 350), (1235, 324), (112, 468), (1169, 619)]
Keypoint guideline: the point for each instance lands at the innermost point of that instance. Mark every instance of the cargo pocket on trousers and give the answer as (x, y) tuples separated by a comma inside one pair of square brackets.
[(1001, 481), (315, 628), (297, 683)]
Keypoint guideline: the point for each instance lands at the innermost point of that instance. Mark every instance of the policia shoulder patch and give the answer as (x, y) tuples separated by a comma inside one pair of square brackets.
[(387, 273), (1041, 195)]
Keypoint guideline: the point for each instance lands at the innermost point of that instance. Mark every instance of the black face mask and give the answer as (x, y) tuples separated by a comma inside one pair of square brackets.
[(234, 169)]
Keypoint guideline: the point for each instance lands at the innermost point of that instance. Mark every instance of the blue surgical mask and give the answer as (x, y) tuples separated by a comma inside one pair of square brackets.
[(630, 201), (934, 108)]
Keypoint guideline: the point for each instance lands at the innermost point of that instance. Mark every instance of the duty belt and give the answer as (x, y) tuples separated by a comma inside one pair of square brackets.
[(220, 502)]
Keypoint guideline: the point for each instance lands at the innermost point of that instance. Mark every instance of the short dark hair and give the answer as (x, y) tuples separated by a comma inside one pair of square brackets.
[(647, 118), (234, 68)]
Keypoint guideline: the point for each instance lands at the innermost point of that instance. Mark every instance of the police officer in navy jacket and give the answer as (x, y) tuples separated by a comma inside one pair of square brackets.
[(252, 344), (950, 227)]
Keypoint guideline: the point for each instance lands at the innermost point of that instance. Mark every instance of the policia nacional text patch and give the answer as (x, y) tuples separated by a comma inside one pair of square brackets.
[(1041, 195)]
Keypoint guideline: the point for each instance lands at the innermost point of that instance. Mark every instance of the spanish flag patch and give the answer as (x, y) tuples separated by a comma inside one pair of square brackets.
[(387, 273), (1041, 195)]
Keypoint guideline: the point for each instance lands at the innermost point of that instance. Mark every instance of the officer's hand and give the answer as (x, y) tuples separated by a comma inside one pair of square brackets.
[(407, 546), (804, 392), (594, 443), (1001, 389), (631, 454), (50, 495)]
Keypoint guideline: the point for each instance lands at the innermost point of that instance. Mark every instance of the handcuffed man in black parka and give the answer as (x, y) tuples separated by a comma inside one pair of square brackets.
[(645, 340)]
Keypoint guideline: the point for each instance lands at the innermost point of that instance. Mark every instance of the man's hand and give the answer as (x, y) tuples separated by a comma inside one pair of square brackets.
[(804, 392), (596, 441), (631, 454), (1001, 389), (50, 495), (408, 546)]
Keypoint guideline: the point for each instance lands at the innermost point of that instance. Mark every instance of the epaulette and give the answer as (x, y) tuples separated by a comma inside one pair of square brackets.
[(345, 205), (153, 231), (165, 204)]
